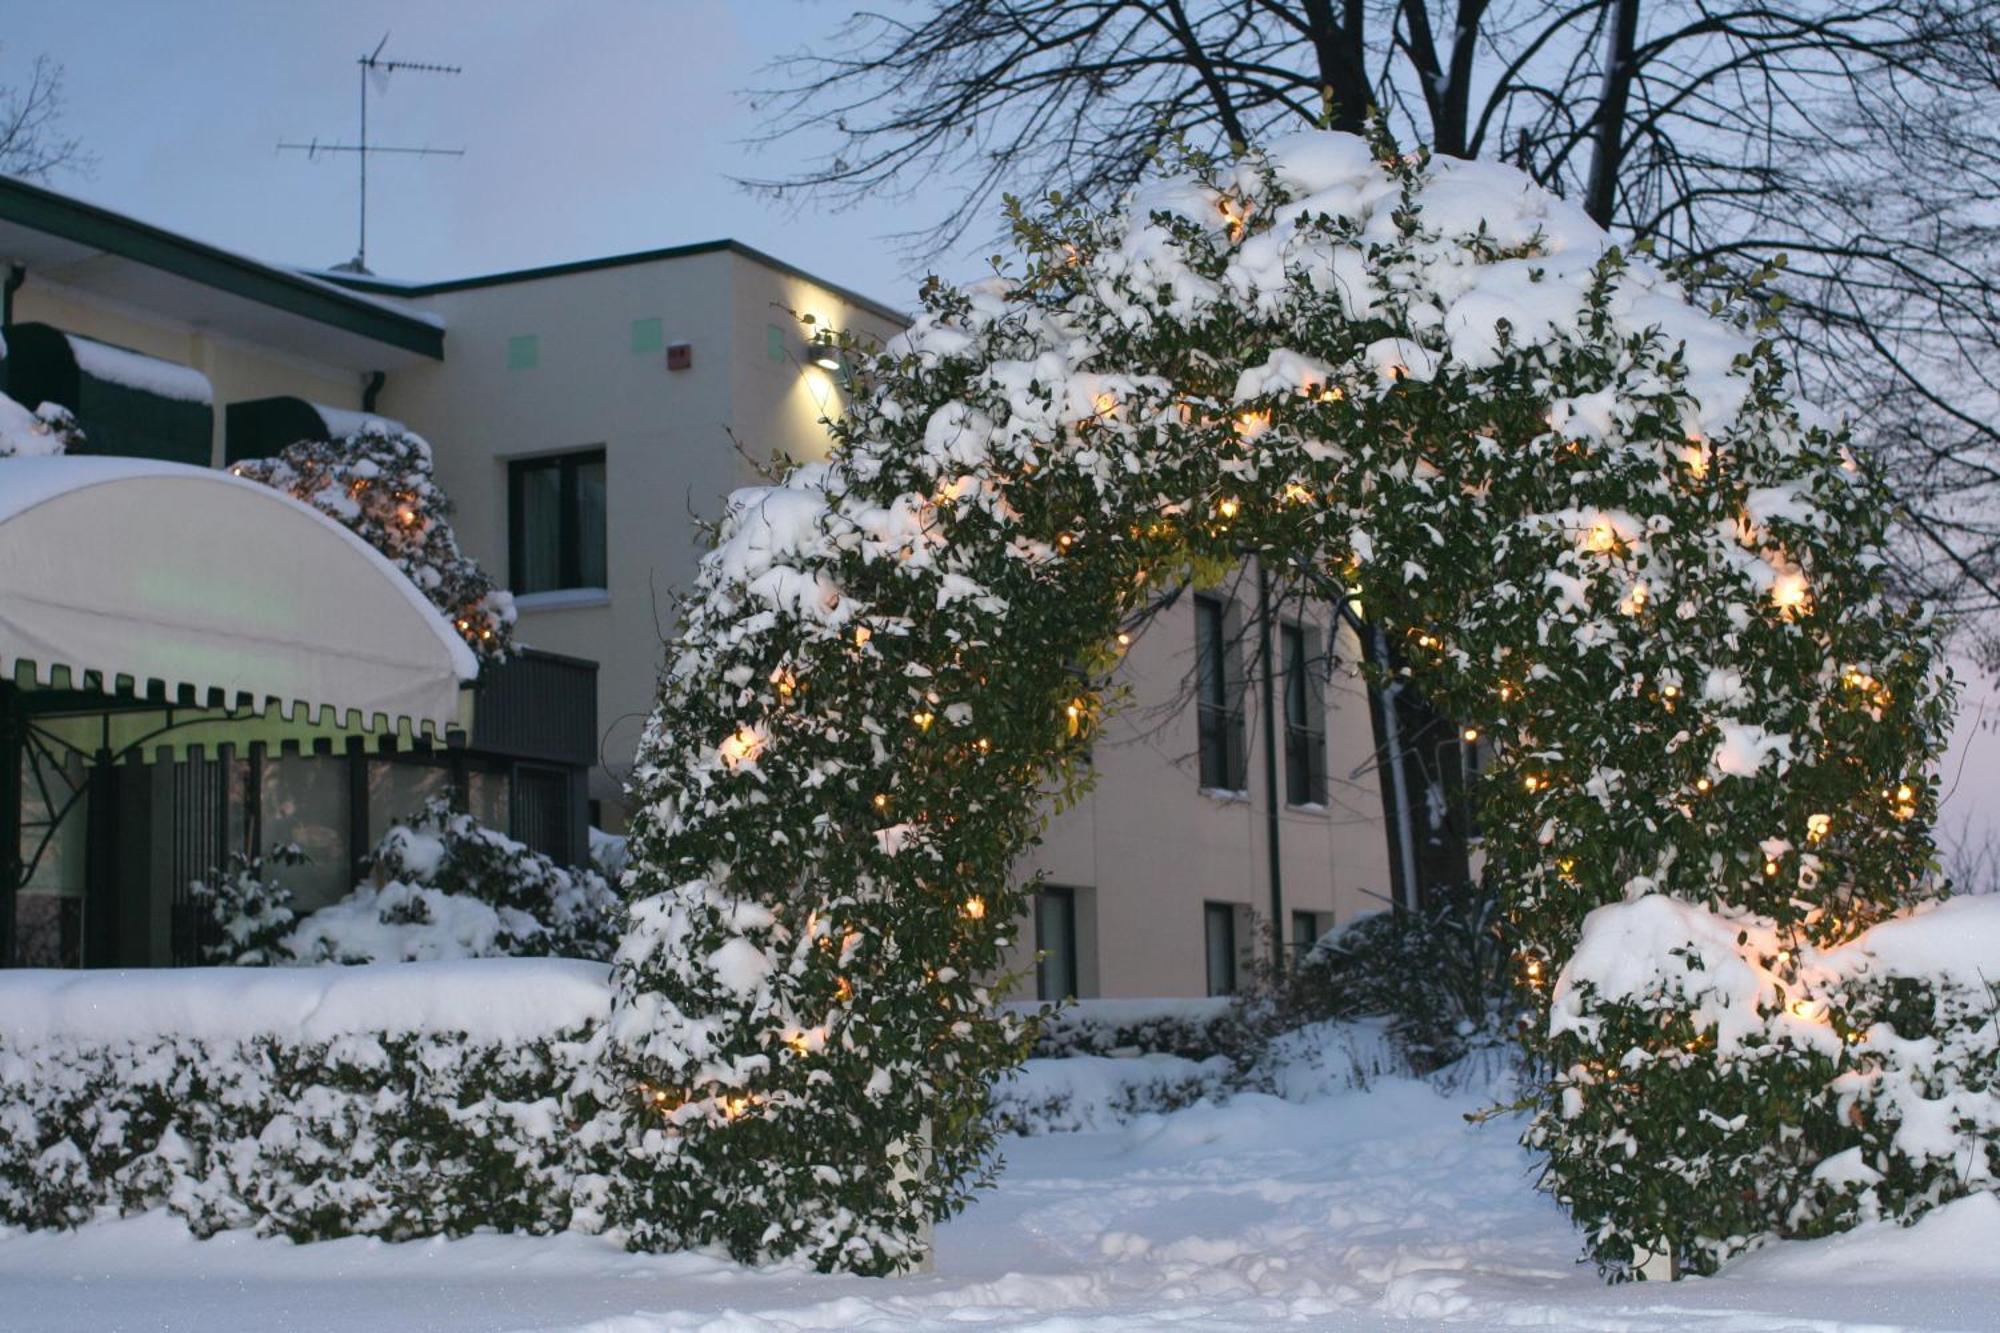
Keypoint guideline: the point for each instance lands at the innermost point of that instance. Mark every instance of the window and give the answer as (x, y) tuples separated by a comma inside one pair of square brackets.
[(555, 522), (648, 336), (1055, 940), (1305, 933), (1218, 718), (1305, 721), (1219, 935), (524, 352)]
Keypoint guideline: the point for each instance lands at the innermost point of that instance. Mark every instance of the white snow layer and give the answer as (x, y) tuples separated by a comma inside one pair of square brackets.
[(494, 999)]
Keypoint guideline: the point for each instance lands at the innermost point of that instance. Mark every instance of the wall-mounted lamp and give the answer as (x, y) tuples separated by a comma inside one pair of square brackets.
[(823, 350)]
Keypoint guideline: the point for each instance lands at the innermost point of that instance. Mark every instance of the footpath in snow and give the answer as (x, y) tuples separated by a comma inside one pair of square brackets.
[(1329, 1208)]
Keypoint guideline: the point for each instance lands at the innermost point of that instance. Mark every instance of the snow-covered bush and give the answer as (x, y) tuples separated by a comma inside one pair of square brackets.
[(1442, 975), (49, 429), (387, 1101), (1190, 1029), (1078, 1093), (380, 484), (442, 886), (1587, 514), (1718, 1084), (250, 912)]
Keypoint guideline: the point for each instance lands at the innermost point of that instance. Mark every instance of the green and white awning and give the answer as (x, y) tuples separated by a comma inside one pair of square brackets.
[(169, 581)]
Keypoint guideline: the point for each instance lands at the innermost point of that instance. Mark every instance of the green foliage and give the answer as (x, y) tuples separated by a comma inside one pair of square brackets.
[(250, 913), (389, 1136), (382, 486), (1442, 975)]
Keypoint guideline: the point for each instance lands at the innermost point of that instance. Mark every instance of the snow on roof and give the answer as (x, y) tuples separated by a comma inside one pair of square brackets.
[(135, 370)]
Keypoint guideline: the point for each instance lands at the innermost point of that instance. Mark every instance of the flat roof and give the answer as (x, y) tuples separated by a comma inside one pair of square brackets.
[(396, 287), (92, 249)]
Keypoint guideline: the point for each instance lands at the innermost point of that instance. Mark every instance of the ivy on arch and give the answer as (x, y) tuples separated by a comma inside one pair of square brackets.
[(1587, 512)]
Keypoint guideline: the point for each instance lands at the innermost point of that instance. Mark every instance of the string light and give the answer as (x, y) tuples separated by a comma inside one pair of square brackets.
[(975, 908), (862, 634), (1228, 506), (1790, 592), (742, 747)]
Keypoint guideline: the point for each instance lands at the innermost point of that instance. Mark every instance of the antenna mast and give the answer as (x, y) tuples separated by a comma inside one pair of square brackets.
[(373, 66)]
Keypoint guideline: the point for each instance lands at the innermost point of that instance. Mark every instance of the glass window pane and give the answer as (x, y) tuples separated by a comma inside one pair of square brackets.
[(590, 535), (1219, 920), (540, 536), (1055, 938), (398, 790), (487, 799), (305, 801), (48, 910)]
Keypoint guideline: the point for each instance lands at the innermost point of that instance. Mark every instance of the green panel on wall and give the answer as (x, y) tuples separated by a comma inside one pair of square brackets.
[(523, 352), (648, 335), (774, 342)]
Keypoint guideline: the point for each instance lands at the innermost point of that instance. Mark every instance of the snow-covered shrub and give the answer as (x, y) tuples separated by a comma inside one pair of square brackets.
[(1717, 1084), (1442, 975), (249, 912), (391, 1101), (1076, 1093), (1588, 515), (381, 484), (1190, 1029), (49, 429), (442, 886)]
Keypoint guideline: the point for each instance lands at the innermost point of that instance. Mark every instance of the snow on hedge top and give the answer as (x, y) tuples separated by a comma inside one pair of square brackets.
[(25, 434), (1656, 946), (490, 999), (135, 370)]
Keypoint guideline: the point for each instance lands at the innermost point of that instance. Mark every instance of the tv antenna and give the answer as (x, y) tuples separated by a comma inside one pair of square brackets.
[(375, 70)]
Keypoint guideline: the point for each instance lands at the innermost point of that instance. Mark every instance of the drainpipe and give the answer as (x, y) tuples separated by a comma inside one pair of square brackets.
[(371, 389), (16, 275), (1271, 824), (1392, 740)]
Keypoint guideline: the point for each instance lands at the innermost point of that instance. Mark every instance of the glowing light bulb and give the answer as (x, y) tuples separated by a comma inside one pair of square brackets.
[(1228, 507), (742, 747), (975, 908), (1790, 592)]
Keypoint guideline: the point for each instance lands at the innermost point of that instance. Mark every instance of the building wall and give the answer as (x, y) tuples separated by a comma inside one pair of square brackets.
[(237, 371), (1148, 848), (676, 442)]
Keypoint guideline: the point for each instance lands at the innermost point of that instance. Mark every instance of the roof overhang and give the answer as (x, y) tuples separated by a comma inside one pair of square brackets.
[(107, 255), (165, 580)]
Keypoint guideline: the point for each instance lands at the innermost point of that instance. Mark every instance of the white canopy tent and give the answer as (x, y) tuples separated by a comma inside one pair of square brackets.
[(146, 572)]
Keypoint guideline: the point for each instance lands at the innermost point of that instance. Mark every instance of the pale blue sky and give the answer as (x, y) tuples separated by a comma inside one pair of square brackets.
[(590, 129)]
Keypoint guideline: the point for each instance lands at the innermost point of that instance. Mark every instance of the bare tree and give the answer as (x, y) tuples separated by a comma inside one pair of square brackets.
[(32, 143), (1859, 138)]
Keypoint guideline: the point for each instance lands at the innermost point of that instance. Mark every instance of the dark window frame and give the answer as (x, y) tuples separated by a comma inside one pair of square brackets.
[(1222, 755), (569, 519), (1047, 985), (1305, 720), (1214, 914)]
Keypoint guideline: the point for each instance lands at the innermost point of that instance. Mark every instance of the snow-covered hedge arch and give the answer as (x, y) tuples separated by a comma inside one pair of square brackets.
[(1586, 513)]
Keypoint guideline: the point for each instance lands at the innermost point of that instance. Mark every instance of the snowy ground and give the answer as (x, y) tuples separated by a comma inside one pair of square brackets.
[(1338, 1209)]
